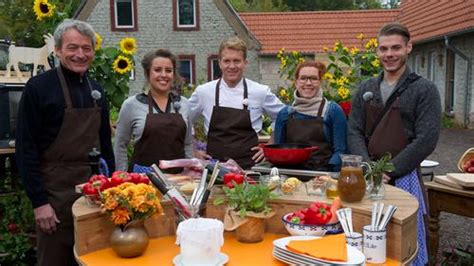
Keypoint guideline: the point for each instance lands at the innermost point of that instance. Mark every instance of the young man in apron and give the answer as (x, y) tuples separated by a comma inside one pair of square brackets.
[(59, 124), (232, 108), (398, 112)]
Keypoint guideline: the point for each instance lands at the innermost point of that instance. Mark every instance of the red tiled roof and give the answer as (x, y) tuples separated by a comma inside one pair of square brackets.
[(309, 32), (431, 19)]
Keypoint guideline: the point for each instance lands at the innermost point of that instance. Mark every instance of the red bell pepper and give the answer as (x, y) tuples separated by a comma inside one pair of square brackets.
[(118, 177), (89, 189), (318, 213)]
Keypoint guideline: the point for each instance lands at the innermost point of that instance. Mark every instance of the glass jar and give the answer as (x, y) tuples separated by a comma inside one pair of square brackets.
[(351, 183)]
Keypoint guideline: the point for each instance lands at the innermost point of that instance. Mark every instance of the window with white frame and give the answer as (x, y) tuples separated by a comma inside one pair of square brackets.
[(213, 69), (124, 14), (186, 14), (186, 68)]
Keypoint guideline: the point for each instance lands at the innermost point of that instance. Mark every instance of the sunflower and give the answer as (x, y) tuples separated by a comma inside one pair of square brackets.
[(98, 41), (43, 9), (122, 64), (128, 45)]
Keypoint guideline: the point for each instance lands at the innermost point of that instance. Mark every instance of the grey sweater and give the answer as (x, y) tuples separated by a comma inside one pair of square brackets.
[(420, 108), (130, 125)]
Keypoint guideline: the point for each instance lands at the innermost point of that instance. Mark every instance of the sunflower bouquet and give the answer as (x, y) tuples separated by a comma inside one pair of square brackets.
[(130, 202)]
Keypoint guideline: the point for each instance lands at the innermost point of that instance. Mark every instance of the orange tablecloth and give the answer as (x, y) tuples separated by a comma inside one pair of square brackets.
[(161, 251)]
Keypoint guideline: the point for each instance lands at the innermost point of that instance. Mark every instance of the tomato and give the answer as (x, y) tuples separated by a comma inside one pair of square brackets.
[(238, 178), (470, 169), (318, 213), (229, 184), (89, 189), (229, 177)]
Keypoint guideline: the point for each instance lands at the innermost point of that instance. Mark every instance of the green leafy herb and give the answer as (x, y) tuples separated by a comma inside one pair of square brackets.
[(246, 197), (379, 167)]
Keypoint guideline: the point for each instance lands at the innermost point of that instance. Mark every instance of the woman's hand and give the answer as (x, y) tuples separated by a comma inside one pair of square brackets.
[(258, 156)]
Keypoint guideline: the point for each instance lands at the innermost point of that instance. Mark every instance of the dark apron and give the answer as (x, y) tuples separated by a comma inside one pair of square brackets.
[(310, 132), (388, 135), (64, 165), (162, 138), (231, 135)]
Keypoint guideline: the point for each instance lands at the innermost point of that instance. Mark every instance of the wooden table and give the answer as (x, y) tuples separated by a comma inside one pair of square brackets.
[(447, 199), (92, 228)]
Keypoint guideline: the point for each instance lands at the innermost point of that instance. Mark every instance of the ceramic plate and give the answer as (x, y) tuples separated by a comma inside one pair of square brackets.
[(223, 259), (294, 259), (354, 255)]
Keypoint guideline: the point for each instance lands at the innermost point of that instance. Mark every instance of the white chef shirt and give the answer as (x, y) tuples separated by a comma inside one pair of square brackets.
[(260, 99)]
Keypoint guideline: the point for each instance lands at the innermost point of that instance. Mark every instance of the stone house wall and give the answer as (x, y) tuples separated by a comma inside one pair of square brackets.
[(155, 30)]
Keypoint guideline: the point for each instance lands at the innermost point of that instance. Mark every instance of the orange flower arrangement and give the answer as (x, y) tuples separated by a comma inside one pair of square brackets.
[(131, 202)]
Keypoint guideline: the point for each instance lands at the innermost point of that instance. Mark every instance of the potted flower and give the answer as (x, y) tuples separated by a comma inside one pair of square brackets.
[(247, 209), (375, 174), (129, 205)]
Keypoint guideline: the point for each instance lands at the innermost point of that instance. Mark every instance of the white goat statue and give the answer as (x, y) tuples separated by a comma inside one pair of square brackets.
[(28, 55)]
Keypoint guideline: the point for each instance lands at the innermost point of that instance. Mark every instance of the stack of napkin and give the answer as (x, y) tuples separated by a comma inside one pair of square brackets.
[(332, 247)]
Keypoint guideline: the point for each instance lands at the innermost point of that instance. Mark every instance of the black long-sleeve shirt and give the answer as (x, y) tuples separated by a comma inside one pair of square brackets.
[(40, 117)]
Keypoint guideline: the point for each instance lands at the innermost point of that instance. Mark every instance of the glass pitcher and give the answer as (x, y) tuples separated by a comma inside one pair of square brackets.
[(351, 183)]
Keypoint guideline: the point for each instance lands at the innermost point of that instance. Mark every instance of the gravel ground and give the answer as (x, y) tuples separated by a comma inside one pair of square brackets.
[(454, 230)]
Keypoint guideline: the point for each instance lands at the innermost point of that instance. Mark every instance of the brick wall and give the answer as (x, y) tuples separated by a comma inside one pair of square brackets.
[(155, 30)]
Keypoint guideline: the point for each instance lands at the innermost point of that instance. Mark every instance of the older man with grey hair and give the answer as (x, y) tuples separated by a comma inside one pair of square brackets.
[(60, 120)]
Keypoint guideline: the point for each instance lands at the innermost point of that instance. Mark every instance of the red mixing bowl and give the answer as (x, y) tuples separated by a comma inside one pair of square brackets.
[(288, 153)]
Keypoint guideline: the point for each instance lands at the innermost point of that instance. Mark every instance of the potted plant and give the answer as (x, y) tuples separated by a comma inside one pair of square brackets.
[(247, 210), (129, 205), (378, 168)]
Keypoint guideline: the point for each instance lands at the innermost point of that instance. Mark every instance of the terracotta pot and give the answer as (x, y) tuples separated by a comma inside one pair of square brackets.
[(130, 242), (252, 231)]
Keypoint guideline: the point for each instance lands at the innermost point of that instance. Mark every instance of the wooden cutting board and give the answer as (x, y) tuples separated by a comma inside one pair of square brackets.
[(463, 179), (442, 179)]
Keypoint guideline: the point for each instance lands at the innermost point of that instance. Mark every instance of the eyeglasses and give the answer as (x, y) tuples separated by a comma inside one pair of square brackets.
[(313, 79)]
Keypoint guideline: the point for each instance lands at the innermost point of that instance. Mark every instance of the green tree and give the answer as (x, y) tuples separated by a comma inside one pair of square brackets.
[(259, 5), (18, 22)]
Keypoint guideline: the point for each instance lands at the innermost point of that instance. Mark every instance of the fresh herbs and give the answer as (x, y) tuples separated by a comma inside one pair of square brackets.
[(379, 167), (247, 197)]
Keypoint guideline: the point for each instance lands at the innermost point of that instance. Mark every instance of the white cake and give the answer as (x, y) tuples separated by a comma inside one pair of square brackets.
[(200, 240)]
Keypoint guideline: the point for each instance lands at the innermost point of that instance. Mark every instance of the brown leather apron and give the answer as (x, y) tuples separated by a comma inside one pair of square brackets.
[(388, 135), (231, 135), (384, 124), (310, 132), (162, 138), (64, 165)]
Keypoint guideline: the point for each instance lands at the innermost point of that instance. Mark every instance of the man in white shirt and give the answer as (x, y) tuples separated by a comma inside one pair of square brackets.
[(232, 108)]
